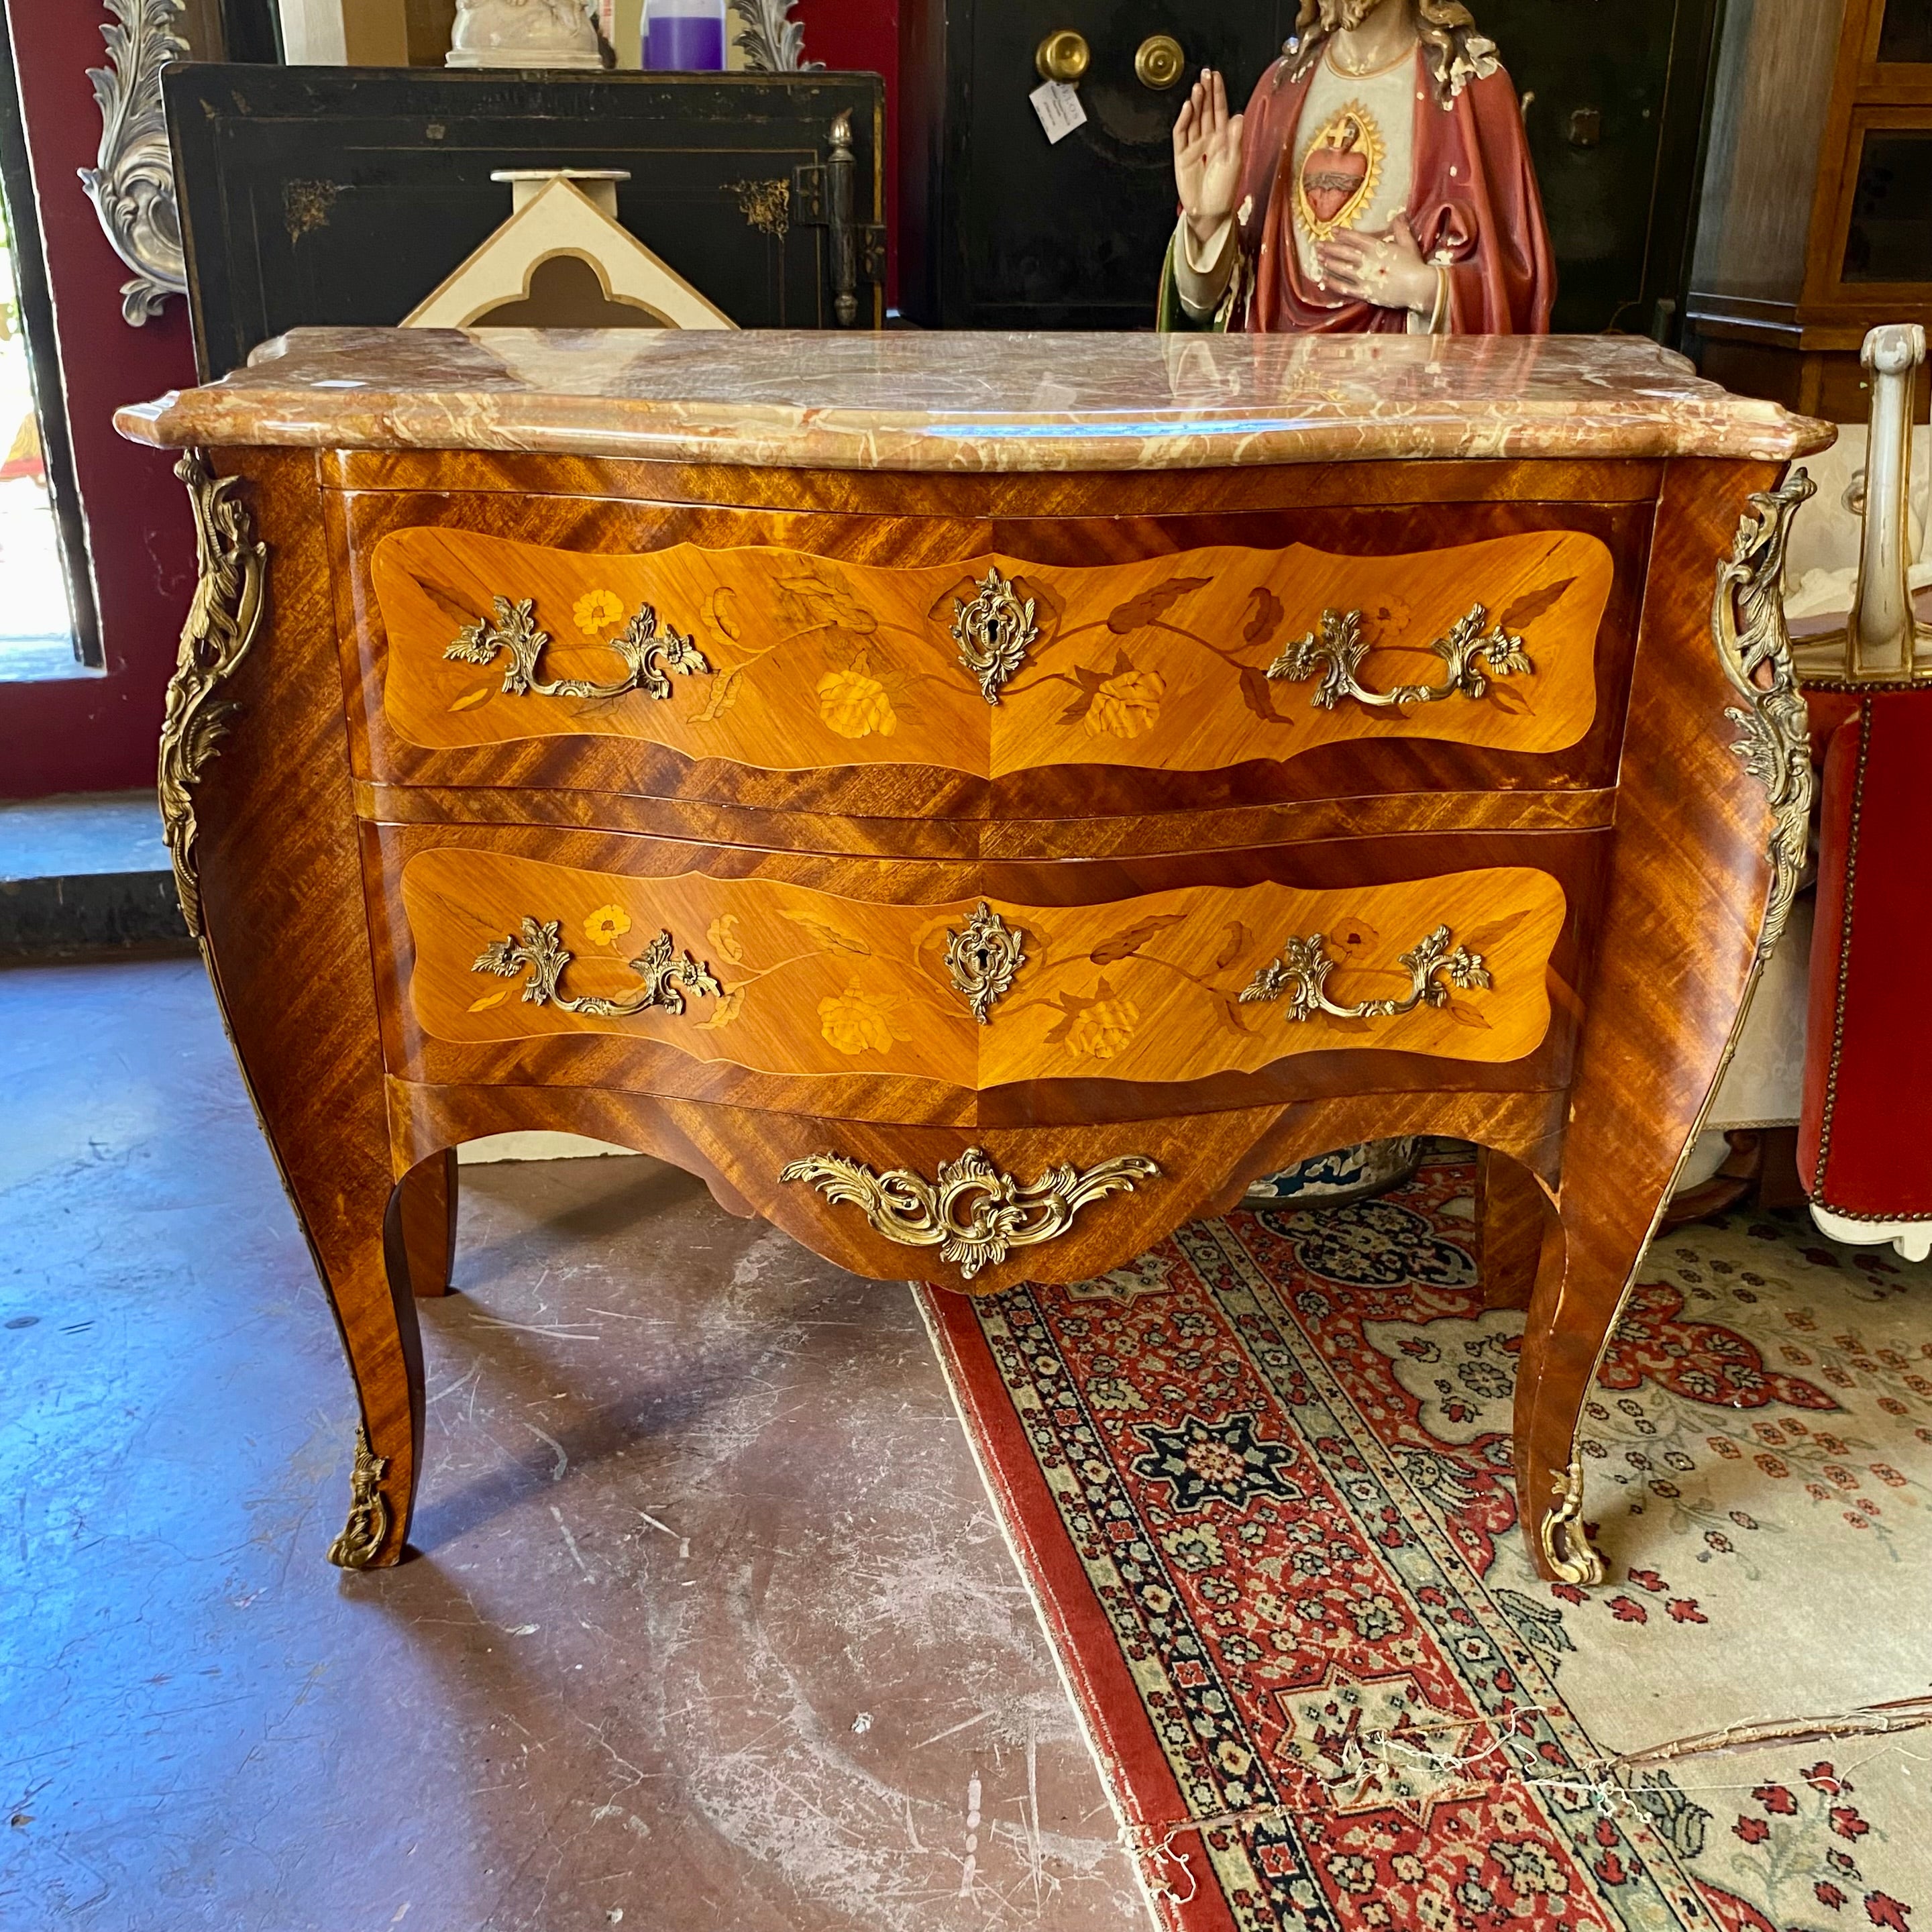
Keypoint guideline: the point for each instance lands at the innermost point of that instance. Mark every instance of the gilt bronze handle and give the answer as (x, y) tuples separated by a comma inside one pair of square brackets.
[(510, 628), (973, 1213), (1334, 654), (537, 948), (1300, 976)]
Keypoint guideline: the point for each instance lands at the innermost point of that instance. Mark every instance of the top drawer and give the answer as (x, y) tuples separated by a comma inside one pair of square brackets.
[(997, 668)]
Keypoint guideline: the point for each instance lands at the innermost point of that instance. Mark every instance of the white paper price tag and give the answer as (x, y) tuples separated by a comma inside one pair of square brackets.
[(1059, 108)]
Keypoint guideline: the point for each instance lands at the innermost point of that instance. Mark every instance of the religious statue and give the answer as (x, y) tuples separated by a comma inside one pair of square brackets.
[(1379, 180), (523, 33)]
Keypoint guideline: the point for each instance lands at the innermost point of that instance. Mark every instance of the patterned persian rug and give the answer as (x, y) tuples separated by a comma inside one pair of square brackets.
[(1259, 1484)]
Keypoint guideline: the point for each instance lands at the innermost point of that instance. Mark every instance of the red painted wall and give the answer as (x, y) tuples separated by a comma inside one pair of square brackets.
[(862, 36), (98, 732)]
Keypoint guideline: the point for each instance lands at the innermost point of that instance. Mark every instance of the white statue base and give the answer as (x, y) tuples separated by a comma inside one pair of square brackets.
[(513, 57), (523, 34)]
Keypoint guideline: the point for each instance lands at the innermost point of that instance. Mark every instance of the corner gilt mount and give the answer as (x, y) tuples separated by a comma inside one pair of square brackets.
[(222, 619), (1754, 649), (367, 1528)]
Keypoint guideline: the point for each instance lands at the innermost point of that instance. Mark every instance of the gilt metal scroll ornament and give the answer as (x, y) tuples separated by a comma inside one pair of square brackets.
[(537, 948), (367, 1528), (1754, 648), (770, 40), (1471, 655), (1300, 976), (973, 1213), (133, 190), (510, 628), (981, 959), (1566, 1544), (222, 619), (994, 632)]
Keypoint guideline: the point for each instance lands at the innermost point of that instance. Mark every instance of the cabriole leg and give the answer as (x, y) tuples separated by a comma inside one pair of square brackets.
[(426, 1199)]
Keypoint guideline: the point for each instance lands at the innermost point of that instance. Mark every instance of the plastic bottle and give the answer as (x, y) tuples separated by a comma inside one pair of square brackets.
[(684, 36)]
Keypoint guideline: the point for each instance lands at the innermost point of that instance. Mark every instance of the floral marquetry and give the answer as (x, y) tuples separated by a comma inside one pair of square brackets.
[(646, 760), (999, 665), (1177, 985)]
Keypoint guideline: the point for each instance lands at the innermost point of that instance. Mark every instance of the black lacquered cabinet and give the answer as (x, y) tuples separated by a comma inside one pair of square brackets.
[(1001, 229), (343, 195)]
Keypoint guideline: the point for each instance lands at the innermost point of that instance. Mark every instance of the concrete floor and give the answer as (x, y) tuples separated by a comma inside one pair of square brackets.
[(711, 1627)]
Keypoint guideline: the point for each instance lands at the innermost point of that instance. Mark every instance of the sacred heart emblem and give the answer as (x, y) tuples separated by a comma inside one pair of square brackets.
[(1333, 177), (1338, 173)]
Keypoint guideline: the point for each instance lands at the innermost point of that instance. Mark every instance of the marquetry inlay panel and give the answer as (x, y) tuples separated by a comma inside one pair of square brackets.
[(1179, 663), (1164, 986)]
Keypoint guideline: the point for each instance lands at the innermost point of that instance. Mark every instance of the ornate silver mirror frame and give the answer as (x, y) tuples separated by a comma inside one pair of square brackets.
[(133, 188)]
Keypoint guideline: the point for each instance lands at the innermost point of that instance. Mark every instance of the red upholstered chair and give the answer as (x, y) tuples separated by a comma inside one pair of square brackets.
[(1864, 1146)]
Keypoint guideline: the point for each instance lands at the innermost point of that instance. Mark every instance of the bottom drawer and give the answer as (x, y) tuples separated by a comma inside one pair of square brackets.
[(971, 977)]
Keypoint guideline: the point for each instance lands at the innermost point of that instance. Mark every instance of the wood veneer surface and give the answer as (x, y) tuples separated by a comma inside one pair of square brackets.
[(371, 830)]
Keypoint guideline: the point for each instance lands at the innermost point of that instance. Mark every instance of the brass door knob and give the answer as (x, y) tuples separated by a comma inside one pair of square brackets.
[(1159, 61), (1062, 56)]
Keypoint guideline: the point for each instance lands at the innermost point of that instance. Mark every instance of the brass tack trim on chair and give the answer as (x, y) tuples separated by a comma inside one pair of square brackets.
[(1300, 976), (973, 1213), (537, 947), (1334, 656)]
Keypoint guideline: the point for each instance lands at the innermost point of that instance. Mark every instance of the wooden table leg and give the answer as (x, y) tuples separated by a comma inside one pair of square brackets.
[(1512, 1212), (426, 1207), (1709, 840), (256, 807)]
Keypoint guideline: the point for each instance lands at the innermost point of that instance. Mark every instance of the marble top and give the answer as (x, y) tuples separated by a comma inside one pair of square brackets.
[(911, 401)]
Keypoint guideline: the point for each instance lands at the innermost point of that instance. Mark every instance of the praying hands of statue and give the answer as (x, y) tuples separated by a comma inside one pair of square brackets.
[(1386, 269), (1207, 157)]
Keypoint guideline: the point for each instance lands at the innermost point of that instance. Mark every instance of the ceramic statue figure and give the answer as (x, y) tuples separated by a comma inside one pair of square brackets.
[(1379, 180), (523, 34)]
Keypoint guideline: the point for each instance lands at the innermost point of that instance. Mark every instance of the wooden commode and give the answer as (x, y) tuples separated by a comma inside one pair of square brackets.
[(980, 800)]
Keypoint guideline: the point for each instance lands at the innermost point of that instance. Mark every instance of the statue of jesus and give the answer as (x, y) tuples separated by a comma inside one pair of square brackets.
[(1379, 180)]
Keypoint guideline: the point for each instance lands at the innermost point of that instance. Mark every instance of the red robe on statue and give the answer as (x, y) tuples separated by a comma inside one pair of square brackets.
[(1473, 204)]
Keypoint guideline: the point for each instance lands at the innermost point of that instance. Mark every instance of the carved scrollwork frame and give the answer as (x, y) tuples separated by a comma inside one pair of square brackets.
[(770, 40), (133, 188)]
